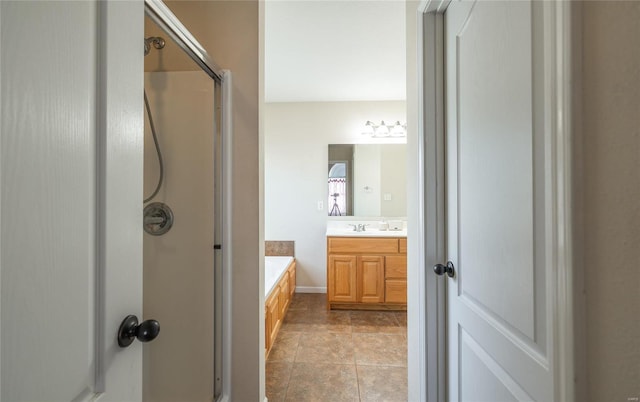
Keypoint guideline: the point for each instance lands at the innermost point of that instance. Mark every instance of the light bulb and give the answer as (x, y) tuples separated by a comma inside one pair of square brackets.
[(398, 130)]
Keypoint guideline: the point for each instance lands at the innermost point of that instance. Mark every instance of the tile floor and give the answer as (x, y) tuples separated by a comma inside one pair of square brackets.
[(322, 355)]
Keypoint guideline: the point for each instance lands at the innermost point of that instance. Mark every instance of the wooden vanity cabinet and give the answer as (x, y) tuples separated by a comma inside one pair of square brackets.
[(366, 273)]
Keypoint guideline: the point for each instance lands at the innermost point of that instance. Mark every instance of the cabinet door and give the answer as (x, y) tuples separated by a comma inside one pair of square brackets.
[(274, 316), (341, 278), (396, 291), (284, 295), (267, 329), (370, 279), (292, 279)]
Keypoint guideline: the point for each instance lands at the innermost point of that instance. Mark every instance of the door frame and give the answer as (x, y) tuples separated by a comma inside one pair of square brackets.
[(427, 365)]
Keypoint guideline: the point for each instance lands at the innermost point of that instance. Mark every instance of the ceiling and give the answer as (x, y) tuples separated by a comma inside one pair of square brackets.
[(346, 50)]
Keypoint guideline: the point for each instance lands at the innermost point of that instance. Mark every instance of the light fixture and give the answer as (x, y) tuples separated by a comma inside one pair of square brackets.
[(384, 130), (398, 130)]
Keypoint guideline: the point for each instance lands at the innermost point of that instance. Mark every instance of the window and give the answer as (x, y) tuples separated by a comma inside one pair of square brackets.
[(337, 203)]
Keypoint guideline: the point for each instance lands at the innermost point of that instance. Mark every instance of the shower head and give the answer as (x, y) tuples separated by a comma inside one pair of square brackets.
[(155, 41)]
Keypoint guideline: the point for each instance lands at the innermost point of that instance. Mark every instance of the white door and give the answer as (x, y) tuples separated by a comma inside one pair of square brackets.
[(71, 199), (499, 215)]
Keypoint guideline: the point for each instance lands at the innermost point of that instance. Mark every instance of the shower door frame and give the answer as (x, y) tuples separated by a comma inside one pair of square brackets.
[(160, 14)]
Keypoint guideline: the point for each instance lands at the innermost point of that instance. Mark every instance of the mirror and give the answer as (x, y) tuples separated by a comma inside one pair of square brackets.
[(367, 180)]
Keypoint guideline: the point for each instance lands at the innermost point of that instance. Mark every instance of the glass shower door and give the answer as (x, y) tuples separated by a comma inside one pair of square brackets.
[(183, 261)]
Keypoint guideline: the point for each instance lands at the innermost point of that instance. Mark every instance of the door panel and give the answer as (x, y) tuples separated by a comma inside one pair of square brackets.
[(69, 164), (48, 194), (495, 179), (483, 378), (495, 202), (179, 265)]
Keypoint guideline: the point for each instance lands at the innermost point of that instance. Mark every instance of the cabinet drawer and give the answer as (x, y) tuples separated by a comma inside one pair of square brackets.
[(396, 266), (395, 291), (361, 245), (403, 245)]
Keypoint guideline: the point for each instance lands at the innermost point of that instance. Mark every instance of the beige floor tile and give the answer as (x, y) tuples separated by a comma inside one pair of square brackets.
[(375, 322), (316, 352), (318, 317), (338, 328), (310, 382), (318, 302), (284, 350), (299, 303), (309, 301), (382, 383), (380, 349), (277, 380), (401, 316), (325, 347)]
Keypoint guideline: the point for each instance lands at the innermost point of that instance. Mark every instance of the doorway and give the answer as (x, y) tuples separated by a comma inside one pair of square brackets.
[(304, 124)]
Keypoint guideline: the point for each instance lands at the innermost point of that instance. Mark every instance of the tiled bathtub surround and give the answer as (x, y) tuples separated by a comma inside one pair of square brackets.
[(279, 248), (323, 355)]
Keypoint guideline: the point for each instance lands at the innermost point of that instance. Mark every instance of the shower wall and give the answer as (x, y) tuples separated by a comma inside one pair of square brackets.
[(178, 266)]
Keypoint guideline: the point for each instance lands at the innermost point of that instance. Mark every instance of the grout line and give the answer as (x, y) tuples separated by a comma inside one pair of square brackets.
[(286, 388)]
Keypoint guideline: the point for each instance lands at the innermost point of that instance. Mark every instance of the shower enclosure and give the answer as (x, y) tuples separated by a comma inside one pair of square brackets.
[(185, 105)]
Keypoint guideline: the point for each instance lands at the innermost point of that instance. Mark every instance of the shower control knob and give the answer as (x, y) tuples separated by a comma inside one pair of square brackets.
[(448, 269), (158, 218), (130, 329)]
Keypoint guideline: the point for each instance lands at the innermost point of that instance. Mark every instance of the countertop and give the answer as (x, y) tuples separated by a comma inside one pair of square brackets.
[(349, 232)]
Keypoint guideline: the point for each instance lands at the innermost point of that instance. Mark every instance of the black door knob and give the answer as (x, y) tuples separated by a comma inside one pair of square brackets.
[(129, 329), (448, 269)]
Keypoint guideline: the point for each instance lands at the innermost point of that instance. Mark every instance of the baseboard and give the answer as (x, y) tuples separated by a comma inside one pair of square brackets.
[(311, 289)]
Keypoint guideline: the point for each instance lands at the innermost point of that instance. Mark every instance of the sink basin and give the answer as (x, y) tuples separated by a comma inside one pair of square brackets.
[(349, 232)]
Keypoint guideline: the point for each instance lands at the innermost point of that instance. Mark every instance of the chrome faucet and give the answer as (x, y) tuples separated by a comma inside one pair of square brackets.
[(360, 227)]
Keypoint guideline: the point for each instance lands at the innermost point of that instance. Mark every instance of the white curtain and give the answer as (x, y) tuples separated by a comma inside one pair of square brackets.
[(337, 204)]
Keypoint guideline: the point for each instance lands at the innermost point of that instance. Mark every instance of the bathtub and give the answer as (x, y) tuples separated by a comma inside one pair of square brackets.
[(274, 269), (279, 286)]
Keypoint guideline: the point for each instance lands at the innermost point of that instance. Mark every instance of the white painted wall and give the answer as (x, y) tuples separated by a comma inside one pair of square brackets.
[(393, 180), (380, 170), (611, 189), (415, 299), (229, 30), (297, 136), (366, 180)]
